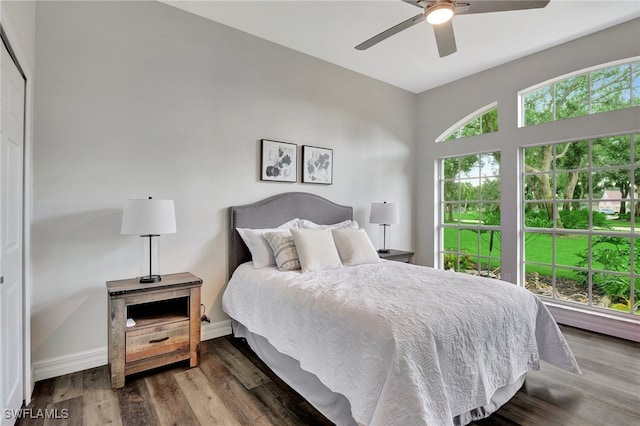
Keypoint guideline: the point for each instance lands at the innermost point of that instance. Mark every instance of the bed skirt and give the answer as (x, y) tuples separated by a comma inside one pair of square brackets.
[(335, 406)]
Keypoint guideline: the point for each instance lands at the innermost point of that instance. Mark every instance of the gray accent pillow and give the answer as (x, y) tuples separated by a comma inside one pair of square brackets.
[(284, 250)]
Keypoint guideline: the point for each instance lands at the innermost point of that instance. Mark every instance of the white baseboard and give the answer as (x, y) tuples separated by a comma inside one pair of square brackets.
[(215, 329), (61, 365), (66, 364)]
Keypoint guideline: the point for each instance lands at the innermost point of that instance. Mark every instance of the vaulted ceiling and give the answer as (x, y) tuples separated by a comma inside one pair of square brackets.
[(329, 30)]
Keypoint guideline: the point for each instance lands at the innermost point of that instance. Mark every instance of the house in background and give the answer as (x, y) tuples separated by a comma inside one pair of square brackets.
[(132, 99), (610, 201)]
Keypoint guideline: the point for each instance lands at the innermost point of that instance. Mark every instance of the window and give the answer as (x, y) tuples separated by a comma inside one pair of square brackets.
[(606, 88), (581, 239), (470, 214), (484, 120)]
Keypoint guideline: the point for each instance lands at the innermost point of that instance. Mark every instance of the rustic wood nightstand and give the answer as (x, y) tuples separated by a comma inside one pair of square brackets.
[(167, 324), (398, 255)]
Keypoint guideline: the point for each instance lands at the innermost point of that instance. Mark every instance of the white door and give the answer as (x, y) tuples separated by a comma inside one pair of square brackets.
[(12, 94)]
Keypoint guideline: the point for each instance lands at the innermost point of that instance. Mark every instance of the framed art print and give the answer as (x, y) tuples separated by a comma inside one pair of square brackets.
[(317, 165), (279, 161)]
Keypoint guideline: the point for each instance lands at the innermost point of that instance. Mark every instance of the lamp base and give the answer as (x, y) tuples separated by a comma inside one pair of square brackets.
[(150, 279), (384, 251)]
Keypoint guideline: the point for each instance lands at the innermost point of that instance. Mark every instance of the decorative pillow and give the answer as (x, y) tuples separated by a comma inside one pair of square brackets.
[(284, 250), (316, 249), (261, 252), (354, 246), (307, 224)]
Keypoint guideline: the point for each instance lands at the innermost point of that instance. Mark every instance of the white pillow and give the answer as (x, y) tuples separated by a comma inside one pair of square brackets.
[(261, 252), (307, 224), (316, 249), (354, 246)]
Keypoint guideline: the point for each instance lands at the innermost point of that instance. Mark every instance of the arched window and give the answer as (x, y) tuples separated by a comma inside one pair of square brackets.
[(607, 87), (483, 120)]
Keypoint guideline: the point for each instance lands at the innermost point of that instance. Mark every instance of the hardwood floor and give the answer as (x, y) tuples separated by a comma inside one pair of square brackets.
[(232, 387)]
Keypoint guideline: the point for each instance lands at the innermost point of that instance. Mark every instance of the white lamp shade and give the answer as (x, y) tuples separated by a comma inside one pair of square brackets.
[(384, 213), (148, 217)]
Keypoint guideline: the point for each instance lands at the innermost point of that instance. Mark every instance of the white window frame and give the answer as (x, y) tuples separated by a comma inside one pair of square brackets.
[(466, 119), (441, 216), (632, 235)]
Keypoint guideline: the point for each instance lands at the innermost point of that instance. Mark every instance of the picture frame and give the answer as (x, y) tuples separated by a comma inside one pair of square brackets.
[(317, 165), (279, 161)]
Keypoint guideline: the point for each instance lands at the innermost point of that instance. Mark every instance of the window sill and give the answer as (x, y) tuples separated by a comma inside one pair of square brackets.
[(624, 328)]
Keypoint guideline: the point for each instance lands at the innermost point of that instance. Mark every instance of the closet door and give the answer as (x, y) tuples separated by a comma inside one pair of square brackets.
[(12, 93)]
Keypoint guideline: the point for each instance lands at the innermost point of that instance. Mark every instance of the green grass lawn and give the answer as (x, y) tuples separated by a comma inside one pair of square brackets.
[(538, 248)]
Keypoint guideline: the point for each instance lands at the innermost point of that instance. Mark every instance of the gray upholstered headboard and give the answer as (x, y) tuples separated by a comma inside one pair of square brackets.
[(274, 211)]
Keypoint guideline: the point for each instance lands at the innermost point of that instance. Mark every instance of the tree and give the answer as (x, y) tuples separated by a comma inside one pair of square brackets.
[(540, 160)]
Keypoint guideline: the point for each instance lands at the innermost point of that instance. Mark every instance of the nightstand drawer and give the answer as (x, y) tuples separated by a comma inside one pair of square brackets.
[(157, 340)]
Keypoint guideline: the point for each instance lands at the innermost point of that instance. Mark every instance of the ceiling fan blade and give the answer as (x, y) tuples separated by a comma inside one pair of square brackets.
[(391, 31), (486, 6), (419, 3), (445, 39)]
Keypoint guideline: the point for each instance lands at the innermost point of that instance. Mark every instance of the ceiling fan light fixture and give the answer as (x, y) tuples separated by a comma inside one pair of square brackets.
[(440, 13)]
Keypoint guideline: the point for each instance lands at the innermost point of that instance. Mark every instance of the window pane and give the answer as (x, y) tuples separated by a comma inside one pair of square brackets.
[(490, 214), (539, 186), (451, 213), (538, 248), (489, 165), (571, 185), (451, 236), (490, 246), (490, 121), (569, 287), (572, 155), (572, 250), (536, 216), (469, 189), (614, 151), (450, 167), (610, 88), (472, 128), (572, 97), (636, 82), (610, 253), (538, 106), (537, 280), (451, 191), (490, 189)]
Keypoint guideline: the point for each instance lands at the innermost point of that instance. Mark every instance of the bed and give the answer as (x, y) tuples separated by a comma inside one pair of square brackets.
[(385, 343)]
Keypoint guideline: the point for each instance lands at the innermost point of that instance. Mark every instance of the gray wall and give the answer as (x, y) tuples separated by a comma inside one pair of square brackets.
[(139, 98), (19, 20)]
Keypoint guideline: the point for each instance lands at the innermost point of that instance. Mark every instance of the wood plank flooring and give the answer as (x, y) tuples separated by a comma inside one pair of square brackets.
[(232, 387)]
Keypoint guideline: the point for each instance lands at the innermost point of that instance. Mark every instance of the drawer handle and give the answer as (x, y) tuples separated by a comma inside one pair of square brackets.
[(159, 340)]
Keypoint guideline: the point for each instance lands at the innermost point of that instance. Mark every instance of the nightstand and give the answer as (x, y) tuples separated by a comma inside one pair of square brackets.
[(398, 255), (167, 324)]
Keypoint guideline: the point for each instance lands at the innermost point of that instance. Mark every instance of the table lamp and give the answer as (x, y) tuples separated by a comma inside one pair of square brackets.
[(149, 218), (384, 214)]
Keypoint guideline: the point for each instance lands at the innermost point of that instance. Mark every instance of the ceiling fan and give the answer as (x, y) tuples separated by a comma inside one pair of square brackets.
[(439, 13)]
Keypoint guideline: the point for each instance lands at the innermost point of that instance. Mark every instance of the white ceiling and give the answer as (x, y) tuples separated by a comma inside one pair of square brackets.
[(329, 30)]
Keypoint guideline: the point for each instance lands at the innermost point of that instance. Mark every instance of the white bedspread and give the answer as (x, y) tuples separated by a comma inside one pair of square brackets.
[(407, 345)]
